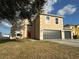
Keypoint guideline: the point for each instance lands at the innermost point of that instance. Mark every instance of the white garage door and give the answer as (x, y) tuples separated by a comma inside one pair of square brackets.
[(51, 34)]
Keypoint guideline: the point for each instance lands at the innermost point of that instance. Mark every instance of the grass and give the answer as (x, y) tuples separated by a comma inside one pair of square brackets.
[(26, 49)]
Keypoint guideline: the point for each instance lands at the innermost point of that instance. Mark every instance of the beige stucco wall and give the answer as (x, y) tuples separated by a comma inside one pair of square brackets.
[(24, 28), (51, 25), (39, 24)]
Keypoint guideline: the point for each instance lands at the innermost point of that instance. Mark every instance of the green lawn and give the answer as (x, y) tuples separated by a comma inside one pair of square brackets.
[(26, 49)]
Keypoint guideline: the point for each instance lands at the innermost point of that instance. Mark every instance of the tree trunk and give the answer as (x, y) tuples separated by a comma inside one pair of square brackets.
[(13, 30)]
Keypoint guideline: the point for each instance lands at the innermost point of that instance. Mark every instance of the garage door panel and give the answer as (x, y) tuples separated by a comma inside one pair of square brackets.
[(52, 34), (67, 34)]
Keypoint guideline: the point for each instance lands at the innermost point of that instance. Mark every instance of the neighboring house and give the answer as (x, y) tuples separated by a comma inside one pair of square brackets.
[(68, 32), (74, 29), (46, 26), (4, 36)]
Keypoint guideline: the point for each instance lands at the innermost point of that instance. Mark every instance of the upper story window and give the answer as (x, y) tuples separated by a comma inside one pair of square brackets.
[(47, 19), (56, 20)]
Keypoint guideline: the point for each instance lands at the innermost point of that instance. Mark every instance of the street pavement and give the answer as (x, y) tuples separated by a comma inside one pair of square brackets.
[(70, 42)]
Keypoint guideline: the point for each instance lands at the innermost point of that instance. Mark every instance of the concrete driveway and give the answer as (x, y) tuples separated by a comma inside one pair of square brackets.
[(70, 42)]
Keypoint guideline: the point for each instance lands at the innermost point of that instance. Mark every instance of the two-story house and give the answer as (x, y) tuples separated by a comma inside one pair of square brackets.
[(46, 26), (74, 29)]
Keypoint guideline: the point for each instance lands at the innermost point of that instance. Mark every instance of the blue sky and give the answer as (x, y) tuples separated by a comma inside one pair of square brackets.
[(4, 29), (58, 7), (69, 18)]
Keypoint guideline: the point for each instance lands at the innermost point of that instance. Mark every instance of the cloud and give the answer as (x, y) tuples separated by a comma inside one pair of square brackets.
[(68, 9), (48, 7), (6, 23)]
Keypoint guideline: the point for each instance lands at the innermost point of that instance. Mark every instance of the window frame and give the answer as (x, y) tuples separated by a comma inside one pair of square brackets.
[(47, 19), (56, 20)]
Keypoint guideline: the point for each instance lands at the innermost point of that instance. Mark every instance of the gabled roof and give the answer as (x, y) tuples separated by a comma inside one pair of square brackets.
[(71, 24), (52, 15)]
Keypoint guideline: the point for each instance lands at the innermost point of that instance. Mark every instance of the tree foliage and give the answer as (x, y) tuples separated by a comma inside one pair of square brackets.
[(12, 9)]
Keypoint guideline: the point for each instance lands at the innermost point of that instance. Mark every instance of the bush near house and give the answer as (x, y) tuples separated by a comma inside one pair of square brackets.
[(26, 49)]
